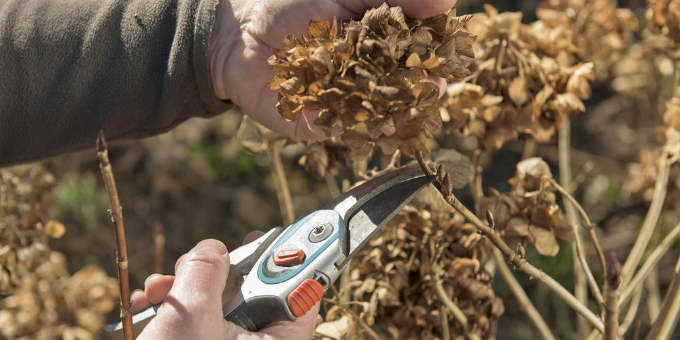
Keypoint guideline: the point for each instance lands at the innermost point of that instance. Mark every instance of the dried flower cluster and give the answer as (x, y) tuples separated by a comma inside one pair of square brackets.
[(41, 300), (529, 212), (664, 18), (393, 280), (525, 81), (373, 81), (600, 32)]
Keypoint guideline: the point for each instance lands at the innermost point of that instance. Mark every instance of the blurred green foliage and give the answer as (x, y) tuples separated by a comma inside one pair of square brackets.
[(80, 197)]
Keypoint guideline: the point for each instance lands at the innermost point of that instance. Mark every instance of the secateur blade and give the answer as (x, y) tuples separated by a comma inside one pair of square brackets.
[(368, 207)]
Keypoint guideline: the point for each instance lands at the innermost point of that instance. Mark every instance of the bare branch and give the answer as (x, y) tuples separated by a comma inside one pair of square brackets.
[(587, 224), (611, 296), (521, 296), (649, 264), (119, 231), (663, 327), (649, 224)]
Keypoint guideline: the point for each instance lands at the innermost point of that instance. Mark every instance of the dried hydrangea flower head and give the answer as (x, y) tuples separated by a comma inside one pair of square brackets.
[(370, 80), (600, 32), (664, 18), (525, 81), (425, 239), (529, 212), (40, 299)]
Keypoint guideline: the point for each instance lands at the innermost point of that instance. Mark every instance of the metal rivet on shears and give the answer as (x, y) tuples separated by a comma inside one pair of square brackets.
[(320, 233)]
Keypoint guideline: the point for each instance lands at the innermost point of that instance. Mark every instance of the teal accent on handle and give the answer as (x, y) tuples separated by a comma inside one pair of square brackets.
[(308, 259)]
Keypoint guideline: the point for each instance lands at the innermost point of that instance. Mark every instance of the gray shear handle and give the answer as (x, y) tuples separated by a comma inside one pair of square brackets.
[(257, 314)]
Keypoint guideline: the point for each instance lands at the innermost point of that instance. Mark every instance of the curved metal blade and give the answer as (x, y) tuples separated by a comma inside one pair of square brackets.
[(369, 206)]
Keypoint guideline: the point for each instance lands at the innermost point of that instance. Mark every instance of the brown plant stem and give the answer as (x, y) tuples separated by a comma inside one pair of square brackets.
[(446, 300), (279, 175), (664, 325), (119, 232), (649, 223), (521, 296), (582, 272), (653, 297), (611, 296), (446, 333), (586, 224), (512, 257), (631, 313), (477, 190), (652, 260)]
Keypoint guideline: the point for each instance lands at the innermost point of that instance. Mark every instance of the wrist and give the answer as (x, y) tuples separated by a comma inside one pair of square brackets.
[(223, 42)]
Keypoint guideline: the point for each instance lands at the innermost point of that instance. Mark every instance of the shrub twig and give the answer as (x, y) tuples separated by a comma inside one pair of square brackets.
[(653, 258), (649, 224), (526, 306), (587, 224), (611, 296), (664, 325), (119, 231), (581, 269)]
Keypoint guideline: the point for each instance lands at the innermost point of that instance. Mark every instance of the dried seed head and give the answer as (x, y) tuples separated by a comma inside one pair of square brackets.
[(371, 79)]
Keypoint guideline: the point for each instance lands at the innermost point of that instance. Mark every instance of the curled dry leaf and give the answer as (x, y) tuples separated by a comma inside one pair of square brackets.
[(529, 212), (371, 80)]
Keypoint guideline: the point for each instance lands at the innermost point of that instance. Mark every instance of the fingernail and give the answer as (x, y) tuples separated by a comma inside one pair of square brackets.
[(151, 277), (211, 245)]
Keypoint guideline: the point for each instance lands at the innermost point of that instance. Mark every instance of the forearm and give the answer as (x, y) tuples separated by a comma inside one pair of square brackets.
[(69, 68)]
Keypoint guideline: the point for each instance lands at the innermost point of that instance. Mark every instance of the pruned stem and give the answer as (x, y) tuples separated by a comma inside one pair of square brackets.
[(514, 258), (521, 296), (664, 325), (119, 232), (649, 264), (649, 223)]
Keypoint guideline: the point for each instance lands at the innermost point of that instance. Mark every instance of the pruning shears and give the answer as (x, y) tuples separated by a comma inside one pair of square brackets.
[(285, 272)]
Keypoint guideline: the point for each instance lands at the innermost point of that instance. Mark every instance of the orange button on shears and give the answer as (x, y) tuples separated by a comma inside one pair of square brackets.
[(305, 296), (289, 257)]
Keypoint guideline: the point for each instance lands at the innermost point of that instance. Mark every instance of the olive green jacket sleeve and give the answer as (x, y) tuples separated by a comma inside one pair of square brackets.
[(69, 68)]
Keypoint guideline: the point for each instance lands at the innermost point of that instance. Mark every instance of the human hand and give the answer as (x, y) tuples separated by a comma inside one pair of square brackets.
[(192, 301), (245, 33)]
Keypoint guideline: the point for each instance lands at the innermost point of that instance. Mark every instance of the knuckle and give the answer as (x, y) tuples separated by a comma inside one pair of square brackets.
[(206, 258)]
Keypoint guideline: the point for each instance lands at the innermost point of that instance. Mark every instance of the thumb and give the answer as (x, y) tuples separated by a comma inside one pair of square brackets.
[(201, 277), (193, 307)]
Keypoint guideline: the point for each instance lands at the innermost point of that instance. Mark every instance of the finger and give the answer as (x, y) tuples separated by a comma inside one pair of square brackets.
[(201, 277), (139, 302), (423, 8), (302, 328), (252, 236), (156, 287), (179, 260), (414, 8)]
